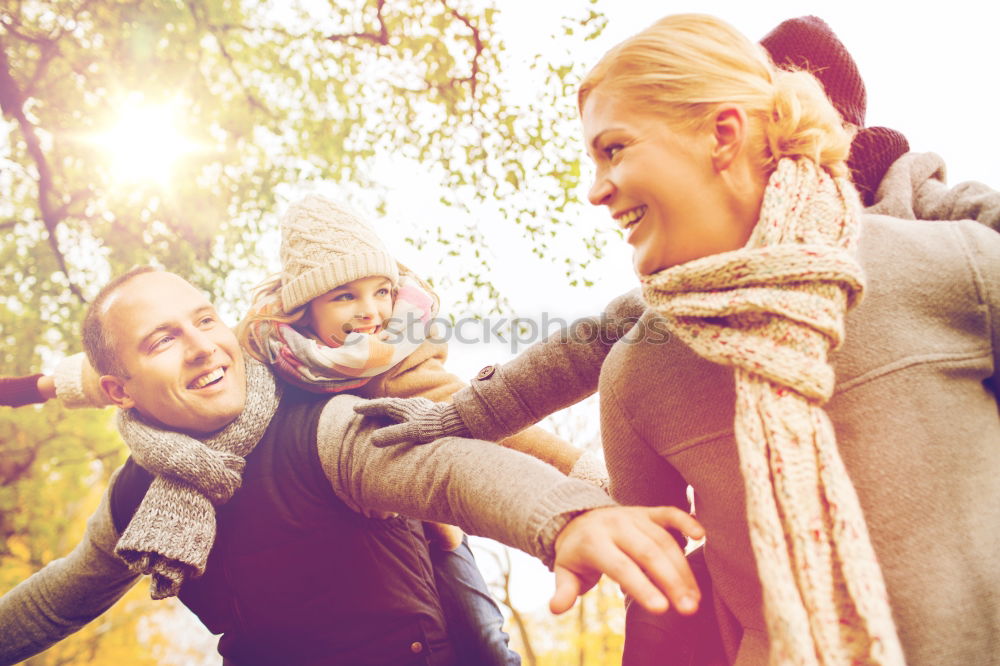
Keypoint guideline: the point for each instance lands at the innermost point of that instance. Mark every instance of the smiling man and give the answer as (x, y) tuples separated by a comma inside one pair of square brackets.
[(264, 509)]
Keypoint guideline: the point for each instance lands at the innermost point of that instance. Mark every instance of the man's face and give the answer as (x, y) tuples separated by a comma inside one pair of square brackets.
[(185, 368)]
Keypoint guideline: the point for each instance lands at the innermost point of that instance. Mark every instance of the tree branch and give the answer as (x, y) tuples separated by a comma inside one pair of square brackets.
[(381, 38), (230, 61), (477, 43), (12, 104)]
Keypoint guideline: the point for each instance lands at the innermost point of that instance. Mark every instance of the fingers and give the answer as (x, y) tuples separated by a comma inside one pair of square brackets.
[(632, 546), (568, 587), (392, 435), (383, 407), (662, 560), (671, 516), (634, 582)]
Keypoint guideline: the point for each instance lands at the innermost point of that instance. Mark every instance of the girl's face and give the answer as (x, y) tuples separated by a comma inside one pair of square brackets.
[(360, 306), (660, 185)]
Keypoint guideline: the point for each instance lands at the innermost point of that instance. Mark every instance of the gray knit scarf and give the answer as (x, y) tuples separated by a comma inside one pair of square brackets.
[(173, 530)]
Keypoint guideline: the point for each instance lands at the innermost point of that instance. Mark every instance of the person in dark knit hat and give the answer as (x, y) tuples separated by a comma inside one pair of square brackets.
[(808, 43)]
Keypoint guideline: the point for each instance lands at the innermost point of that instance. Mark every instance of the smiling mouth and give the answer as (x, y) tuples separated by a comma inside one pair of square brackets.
[(366, 329), (208, 379), (630, 218)]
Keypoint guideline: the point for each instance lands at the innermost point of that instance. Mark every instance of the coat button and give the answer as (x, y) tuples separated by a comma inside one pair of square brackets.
[(486, 372), (416, 647)]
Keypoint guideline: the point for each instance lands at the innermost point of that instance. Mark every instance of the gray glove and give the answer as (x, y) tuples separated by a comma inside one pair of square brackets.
[(418, 420)]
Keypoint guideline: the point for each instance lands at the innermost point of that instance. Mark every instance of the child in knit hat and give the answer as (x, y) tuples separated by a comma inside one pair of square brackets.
[(344, 316)]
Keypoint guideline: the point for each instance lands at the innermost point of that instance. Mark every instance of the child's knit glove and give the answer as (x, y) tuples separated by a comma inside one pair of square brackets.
[(418, 420)]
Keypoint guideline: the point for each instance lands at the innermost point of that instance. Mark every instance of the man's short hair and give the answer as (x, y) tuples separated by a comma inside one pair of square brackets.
[(98, 342)]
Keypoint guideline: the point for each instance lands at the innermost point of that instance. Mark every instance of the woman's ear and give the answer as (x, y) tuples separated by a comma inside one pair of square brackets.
[(729, 130), (114, 388)]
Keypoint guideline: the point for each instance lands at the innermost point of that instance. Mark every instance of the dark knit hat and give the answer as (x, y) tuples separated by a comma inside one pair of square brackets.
[(807, 42)]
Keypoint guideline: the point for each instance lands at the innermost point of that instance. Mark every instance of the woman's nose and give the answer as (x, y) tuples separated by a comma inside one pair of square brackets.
[(600, 191)]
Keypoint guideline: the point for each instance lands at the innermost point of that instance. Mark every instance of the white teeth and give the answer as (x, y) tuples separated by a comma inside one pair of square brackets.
[(631, 217), (205, 380)]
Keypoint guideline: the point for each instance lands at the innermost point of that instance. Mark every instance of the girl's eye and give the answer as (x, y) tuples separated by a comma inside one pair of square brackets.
[(382, 292), (343, 297), (612, 149)]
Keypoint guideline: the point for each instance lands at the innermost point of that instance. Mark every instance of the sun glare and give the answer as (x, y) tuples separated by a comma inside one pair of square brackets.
[(145, 144)]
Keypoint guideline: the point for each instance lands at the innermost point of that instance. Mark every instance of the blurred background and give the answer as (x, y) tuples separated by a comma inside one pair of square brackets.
[(176, 132)]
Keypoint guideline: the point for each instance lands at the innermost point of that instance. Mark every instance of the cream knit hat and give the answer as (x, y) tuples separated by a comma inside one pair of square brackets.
[(324, 246)]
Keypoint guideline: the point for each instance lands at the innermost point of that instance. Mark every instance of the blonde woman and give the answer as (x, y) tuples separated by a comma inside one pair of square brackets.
[(829, 385)]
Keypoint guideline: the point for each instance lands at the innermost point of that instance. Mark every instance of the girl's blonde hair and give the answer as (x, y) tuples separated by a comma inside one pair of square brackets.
[(684, 66), (266, 306)]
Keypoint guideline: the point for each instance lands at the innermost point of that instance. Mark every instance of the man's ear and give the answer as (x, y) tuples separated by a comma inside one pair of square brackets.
[(729, 128), (114, 388)]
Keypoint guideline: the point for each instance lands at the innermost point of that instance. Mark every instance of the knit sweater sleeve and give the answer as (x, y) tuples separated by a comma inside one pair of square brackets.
[(915, 188), (485, 489), (550, 375), (66, 594), (984, 254), (423, 374)]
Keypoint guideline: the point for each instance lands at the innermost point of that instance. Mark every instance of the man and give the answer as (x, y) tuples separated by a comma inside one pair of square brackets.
[(270, 567)]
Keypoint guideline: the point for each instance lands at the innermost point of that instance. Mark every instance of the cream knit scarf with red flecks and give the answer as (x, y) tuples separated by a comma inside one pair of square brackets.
[(773, 310)]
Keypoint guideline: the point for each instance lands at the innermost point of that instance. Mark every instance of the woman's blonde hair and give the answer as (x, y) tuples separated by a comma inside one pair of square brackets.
[(684, 66), (265, 305)]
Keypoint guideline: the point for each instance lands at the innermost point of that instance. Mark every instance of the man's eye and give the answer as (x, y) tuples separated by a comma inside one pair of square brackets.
[(162, 342), (207, 321)]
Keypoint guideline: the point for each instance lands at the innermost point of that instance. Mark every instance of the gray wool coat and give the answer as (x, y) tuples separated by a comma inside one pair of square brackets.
[(915, 412)]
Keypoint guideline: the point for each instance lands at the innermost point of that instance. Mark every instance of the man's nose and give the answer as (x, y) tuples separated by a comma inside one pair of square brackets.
[(200, 345)]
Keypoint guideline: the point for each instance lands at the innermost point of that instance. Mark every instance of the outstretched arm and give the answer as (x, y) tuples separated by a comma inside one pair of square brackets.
[(506, 399), (66, 594), (505, 495), (73, 382), (915, 188)]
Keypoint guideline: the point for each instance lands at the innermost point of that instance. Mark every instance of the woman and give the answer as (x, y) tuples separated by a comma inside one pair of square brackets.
[(728, 178)]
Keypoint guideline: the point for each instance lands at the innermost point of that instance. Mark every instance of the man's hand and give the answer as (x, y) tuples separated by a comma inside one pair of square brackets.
[(632, 546), (419, 420)]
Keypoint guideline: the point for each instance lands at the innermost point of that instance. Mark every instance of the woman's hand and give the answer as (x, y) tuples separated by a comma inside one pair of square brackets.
[(630, 544), (419, 420)]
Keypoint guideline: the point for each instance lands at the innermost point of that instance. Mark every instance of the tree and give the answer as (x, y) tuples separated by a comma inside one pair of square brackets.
[(246, 98)]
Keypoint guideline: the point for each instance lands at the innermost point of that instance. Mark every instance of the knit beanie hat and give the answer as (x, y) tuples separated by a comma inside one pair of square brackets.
[(324, 246), (808, 43)]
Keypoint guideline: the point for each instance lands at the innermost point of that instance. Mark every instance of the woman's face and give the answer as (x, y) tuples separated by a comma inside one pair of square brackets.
[(660, 185)]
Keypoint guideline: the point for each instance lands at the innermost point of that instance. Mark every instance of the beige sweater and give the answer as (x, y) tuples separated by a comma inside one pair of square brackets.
[(917, 424), (485, 489)]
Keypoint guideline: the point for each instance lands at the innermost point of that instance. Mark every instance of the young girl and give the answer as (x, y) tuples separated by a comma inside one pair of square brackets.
[(343, 316)]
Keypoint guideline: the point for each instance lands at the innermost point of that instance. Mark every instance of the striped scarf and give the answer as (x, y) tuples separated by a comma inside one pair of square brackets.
[(314, 366), (773, 310)]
